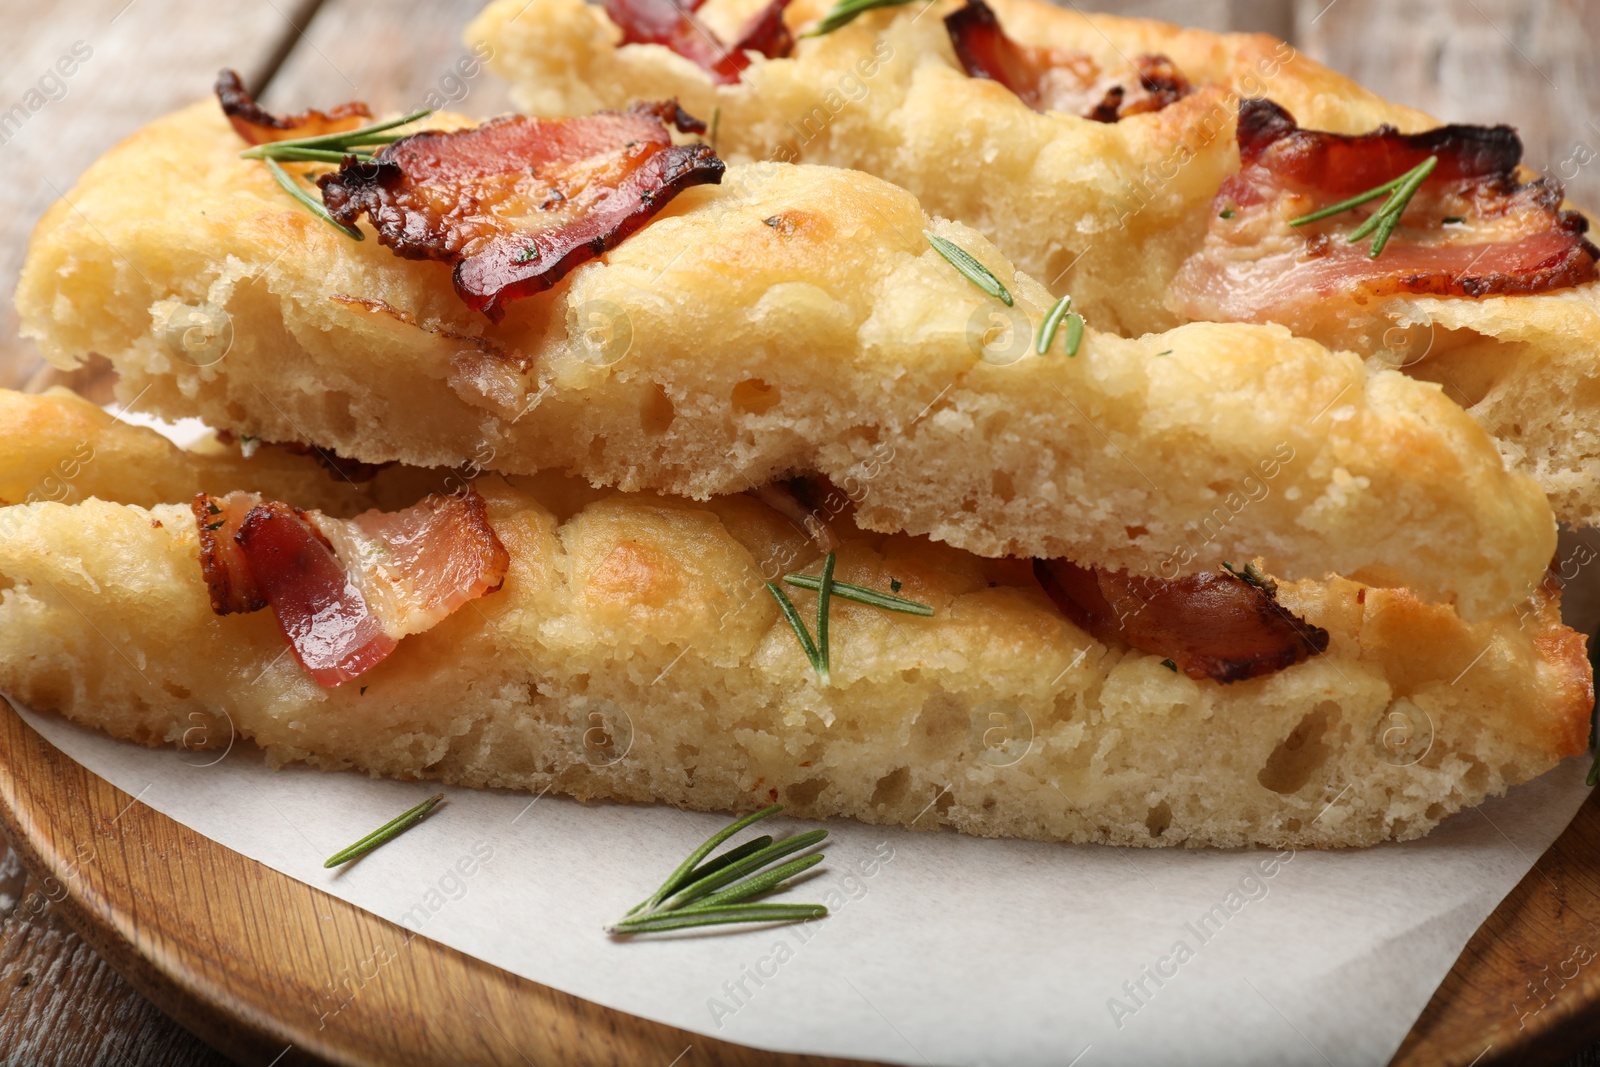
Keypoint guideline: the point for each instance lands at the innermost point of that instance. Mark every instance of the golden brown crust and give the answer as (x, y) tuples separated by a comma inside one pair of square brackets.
[(632, 653), (717, 348)]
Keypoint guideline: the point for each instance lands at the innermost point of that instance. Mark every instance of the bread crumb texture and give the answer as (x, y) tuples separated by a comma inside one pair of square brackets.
[(1106, 212), (714, 350), (633, 654)]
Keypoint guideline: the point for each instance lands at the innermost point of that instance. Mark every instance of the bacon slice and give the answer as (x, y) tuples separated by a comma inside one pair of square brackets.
[(1048, 79), (335, 635), (258, 126), (1504, 235), (345, 591), (515, 204), (1213, 626), (666, 22)]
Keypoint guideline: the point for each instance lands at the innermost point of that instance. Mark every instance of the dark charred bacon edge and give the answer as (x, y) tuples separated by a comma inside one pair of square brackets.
[(249, 119), (1213, 626), (1352, 163), (487, 281), (228, 579), (984, 51), (1340, 165)]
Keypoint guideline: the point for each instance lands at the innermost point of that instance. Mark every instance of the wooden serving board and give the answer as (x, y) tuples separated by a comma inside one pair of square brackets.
[(246, 957)]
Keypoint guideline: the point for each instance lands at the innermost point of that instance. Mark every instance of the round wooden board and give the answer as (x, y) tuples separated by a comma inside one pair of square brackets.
[(246, 957)]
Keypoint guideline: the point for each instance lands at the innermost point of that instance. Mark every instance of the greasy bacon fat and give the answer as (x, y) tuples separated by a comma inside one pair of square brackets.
[(1049, 79), (516, 203), (665, 22), (344, 591), (258, 126), (1209, 625), (1472, 229)]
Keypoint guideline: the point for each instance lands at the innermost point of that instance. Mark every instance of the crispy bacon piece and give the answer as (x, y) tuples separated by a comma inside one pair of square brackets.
[(666, 22), (345, 591), (1503, 235), (257, 125), (1213, 626), (228, 578), (1048, 79), (515, 204)]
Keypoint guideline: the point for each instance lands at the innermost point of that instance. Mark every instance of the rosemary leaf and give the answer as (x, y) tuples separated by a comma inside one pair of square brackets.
[(1074, 333), (738, 913), (861, 595), (366, 135), (1381, 223), (798, 624), (824, 597), (316, 155), (733, 872), (845, 12), (678, 876), (312, 205), (975, 272), (1345, 205), (1396, 205), (1052, 323), (385, 833)]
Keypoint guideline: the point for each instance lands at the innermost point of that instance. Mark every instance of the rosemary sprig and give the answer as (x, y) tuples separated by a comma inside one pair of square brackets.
[(343, 141), (826, 589), (385, 833), (718, 891), (314, 206), (796, 623), (1381, 223), (861, 595), (975, 272), (847, 11), (816, 651), (326, 148)]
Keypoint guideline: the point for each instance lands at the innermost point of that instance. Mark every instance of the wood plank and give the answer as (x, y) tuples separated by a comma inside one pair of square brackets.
[(396, 56), (63, 1004), (263, 966), (1487, 61), (133, 62)]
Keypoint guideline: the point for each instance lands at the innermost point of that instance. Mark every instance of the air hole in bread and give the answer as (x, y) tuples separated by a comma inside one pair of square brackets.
[(1298, 756), (1158, 819), (755, 397), (804, 794), (891, 788), (1002, 487), (657, 412), (176, 690)]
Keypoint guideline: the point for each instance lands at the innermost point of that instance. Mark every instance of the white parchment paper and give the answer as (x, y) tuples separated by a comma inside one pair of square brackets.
[(942, 949)]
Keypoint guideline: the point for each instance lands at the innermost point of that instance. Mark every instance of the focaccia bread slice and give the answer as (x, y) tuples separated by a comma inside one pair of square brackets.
[(632, 653), (1106, 211), (792, 320)]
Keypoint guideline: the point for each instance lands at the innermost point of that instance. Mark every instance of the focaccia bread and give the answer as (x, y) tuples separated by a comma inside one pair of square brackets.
[(1106, 211), (791, 320), (633, 654)]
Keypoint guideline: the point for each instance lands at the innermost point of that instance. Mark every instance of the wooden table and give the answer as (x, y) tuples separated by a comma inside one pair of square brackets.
[(1466, 60)]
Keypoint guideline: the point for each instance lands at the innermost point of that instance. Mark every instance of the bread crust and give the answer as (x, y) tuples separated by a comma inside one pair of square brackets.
[(792, 320), (633, 654), (1107, 212)]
